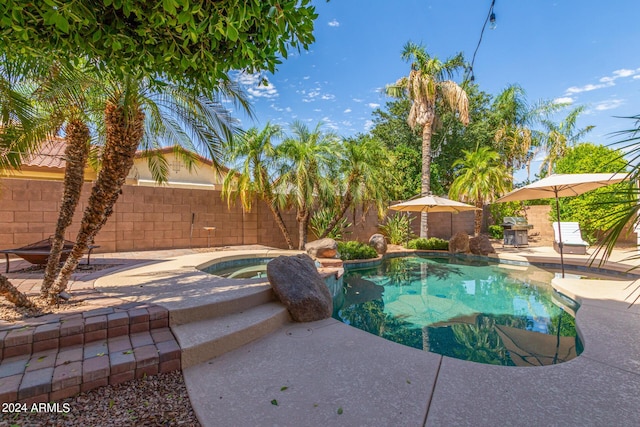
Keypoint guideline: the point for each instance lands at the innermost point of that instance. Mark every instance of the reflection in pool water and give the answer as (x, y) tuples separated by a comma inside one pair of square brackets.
[(472, 310)]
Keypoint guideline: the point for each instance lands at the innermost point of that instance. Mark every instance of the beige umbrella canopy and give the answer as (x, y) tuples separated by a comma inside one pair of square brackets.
[(562, 185), (432, 204)]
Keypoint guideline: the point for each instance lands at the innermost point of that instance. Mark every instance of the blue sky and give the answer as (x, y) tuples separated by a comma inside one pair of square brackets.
[(579, 51)]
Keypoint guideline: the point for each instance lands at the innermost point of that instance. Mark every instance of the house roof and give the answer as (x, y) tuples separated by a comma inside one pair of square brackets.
[(50, 155)]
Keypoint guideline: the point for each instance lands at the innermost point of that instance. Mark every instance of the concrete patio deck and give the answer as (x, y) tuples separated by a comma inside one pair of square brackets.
[(328, 373)]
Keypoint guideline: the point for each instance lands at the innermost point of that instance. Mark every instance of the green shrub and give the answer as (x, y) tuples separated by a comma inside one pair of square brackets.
[(432, 243), (355, 250), (495, 231), (397, 228)]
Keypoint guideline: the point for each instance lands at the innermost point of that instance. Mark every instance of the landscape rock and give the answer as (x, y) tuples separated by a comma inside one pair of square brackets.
[(379, 243), (481, 245), (322, 248), (459, 243), (298, 285)]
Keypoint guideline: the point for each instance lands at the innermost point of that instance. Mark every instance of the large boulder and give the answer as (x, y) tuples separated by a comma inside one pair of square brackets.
[(322, 248), (481, 245), (296, 282), (379, 243), (459, 243)]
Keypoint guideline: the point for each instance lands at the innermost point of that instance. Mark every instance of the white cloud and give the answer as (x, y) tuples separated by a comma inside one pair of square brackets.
[(334, 23), (348, 110), (373, 105), (608, 104), (328, 96), (636, 77), (563, 100), (306, 77), (368, 125), (257, 86), (357, 100), (586, 88)]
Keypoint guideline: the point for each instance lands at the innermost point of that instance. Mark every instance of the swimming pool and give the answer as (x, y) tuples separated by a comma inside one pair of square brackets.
[(464, 308)]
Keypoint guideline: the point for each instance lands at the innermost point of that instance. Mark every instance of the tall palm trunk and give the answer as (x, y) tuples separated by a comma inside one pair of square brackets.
[(12, 294), (76, 155), (123, 136), (426, 171), (283, 227), (477, 225), (303, 223)]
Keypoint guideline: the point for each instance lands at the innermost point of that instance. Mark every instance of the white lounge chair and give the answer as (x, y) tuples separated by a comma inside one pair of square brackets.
[(571, 237)]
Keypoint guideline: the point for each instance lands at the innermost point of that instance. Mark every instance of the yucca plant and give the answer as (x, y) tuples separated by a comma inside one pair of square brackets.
[(397, 229), (321, 220)]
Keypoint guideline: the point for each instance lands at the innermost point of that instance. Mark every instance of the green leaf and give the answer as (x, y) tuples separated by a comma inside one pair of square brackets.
[(274, 402), (283, 388), (184, 17), (340, 410), (62, 24), (232, 33)]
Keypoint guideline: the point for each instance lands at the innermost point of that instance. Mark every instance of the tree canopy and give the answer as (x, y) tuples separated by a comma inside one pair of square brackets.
[(597, 209), (190, 43)]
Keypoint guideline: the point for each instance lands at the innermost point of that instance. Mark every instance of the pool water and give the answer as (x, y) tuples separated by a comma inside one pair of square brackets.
[(248, 268), (473, 310)]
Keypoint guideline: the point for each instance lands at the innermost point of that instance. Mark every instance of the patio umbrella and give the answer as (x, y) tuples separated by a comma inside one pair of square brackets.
[(562, 185), (432, 203)]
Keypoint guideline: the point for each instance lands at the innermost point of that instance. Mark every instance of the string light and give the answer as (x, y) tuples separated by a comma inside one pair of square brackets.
[(491, 19)]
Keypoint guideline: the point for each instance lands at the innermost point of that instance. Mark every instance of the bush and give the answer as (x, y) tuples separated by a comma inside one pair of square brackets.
[(432, 243), (397, 228), (356, 250), (495, 231)]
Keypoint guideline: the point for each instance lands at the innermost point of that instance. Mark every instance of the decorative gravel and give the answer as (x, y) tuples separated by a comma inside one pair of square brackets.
[(159, 400)]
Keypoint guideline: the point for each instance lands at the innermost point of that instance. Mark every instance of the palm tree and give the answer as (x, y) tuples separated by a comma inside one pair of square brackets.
[(513, 137), (559, 137), (145, 114), (254, 178), (428, 83), (630, 214), (481, 177), (364, 175), (307, 157), (23, 127)]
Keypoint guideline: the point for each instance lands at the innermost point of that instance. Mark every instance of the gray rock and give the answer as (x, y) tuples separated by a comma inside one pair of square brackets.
[(322, 248), (459, 243), (481, 245), (379, 243), (297, 283)]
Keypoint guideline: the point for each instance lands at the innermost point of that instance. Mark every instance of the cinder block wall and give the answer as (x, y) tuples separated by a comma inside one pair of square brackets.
[(148, 218)]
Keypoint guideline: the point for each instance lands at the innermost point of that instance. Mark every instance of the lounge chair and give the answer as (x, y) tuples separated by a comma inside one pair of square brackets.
[(38, 253), (571, 237)]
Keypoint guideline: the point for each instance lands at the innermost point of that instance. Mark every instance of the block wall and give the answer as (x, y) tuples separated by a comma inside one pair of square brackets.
[(147, 218)]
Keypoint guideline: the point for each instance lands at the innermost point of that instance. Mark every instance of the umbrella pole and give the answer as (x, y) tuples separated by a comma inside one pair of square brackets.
[(560, 243)]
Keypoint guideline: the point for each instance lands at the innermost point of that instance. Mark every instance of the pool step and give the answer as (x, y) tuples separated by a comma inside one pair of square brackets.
[(220, 304), (205, 339)]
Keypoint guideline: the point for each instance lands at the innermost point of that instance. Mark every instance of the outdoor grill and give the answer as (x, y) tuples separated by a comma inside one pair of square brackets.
[(515, 230)]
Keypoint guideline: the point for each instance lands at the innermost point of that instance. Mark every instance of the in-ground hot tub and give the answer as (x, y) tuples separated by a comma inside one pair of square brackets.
[(243, 268)]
